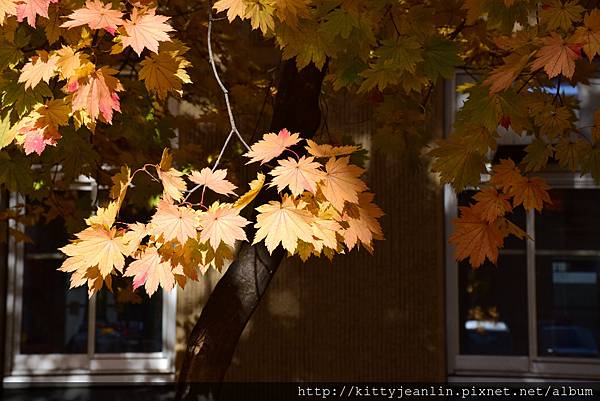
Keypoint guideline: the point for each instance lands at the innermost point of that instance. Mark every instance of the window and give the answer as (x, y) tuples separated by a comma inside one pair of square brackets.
[(537, 313), (57, 332)]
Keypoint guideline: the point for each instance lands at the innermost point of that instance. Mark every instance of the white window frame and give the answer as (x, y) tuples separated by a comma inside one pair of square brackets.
[(532, 365), (90, 367)]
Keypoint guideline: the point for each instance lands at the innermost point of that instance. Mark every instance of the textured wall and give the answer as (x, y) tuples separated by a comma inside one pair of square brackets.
[(361, 317)]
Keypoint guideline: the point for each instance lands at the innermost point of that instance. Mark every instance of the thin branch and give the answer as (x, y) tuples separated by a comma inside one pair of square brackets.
[(211, 59)]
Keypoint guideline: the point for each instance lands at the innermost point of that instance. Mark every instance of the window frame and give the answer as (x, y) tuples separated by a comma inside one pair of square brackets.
[(526, 366), (89, 367)]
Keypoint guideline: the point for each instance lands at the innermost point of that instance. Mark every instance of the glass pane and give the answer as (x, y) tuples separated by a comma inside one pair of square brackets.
[(568, 305), (567, 269), (493, 299), (54, 318), (128, 321), (572, 221)]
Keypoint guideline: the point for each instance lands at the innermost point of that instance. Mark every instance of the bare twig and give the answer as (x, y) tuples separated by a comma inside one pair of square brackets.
[(234, 129)]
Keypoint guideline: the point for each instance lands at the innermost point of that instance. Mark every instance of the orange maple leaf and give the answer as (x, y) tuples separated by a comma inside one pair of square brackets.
[(505, 174), (491, 204), (366, 227), (96, 94), (173, 184), (342, 182), (475, 238), (531, 192), (557, 56), (271, 146), (326, 150)]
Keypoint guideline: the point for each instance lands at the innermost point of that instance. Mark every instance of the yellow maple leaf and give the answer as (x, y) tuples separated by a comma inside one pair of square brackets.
[(40, 67), (98, 246), (283, 222), (163, 73), (298, 175), (133, 237), (260, 13), (105, 216), (221, 222), (173, 184), (589, 34), (70, 62), (150, 271), (271, 146), (557, 14), (341, 182), (174, 222), (213, 180), (325, 150), (7, 8), (289, 11), (235, 8), (255, 187)]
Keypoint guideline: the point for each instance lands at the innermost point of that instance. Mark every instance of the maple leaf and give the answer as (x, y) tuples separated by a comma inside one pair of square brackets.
[(557, 14), (235, 8), (120, 183), (7, 132), (341, 182), (325, 229), (174, 222), (325, 150), (589, 34), (71, 63), (530, 192), (34, 142), (440, 58), (173, 184), (505, 174), (458, 163), (98, 246), (96, 94), (298, 175), (289, 11), (30, 9), (7, 8), (271, 146), (145, 30), (556, 56), (365, 227), (105, 216), (40, 67), (255, 187), (164, 72), (213, 180), (260, 14), (133, 237), (475, 238), (96, 15), (503, 77), (538, 153), (283, 222), (150, 271), (568, 153), (491, 204), (221, 222)]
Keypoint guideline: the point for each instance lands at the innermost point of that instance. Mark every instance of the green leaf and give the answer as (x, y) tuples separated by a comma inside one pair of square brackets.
[(14, 94), (15, 173), (10, 55), (458, 163), (440, 58), (537, 155)]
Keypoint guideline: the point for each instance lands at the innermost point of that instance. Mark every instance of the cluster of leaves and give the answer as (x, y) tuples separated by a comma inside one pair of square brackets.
[(84, 89), (325, 208)]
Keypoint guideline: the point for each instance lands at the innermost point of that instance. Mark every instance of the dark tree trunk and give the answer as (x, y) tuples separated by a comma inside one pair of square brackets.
[(215, 336)]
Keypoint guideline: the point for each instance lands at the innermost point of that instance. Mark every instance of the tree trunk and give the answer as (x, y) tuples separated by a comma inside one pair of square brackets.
[(215, 335)]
